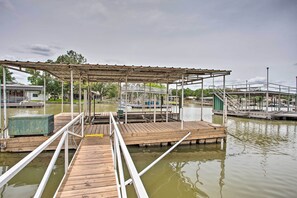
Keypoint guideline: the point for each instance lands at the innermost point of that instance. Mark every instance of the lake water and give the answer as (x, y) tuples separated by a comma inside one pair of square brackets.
[(259, 159)]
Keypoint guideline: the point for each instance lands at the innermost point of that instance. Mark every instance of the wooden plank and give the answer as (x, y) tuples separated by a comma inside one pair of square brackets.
[(92, 172)]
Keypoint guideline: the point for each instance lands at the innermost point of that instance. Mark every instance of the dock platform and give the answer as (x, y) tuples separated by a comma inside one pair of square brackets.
[(164, 133), (142, 134), (91, 172)]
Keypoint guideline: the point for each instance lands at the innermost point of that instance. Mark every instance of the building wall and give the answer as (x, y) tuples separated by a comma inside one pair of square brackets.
[(35, 95)]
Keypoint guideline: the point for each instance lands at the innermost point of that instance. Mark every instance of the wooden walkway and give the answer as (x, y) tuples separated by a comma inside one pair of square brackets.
[(92, 173)]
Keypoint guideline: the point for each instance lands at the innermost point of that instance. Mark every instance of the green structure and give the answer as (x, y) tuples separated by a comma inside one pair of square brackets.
[(31, 125), (217, 103)]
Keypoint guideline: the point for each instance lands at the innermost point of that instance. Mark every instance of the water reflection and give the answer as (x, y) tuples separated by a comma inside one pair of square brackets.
[(189, 171), (26, 182)]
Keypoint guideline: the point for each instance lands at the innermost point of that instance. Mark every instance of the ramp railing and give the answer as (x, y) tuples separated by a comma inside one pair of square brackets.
[(64, 132), (121, 148)]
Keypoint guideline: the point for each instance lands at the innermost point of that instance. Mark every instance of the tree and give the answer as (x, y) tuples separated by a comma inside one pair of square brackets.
[(9, 77), (105, 89), (71, 57), (53, 86)]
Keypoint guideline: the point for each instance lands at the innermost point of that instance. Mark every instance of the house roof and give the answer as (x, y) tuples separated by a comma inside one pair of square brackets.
[(118, 73), (23, 87)]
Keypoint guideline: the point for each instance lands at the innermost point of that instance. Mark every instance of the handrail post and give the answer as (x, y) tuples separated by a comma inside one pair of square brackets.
[(66, 152), (82, 125)]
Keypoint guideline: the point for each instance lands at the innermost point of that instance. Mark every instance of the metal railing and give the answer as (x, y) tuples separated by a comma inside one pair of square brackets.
[(63, 133), (118, 165)]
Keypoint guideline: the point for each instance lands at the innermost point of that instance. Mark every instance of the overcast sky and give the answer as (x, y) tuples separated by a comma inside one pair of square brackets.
[(244, 36)]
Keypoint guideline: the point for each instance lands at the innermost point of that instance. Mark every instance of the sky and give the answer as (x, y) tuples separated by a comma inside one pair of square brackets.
[(244, 36)]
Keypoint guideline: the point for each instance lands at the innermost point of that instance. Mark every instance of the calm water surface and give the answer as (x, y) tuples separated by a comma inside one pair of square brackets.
[(258, 160)]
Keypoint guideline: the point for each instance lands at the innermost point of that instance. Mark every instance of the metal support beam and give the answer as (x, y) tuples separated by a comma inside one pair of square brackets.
[(202, 100), (182, 104), (126, 100), (267, 87), (224, 102), (296, 96), (4, 104), (79, 90), (44, 91), (155, 101), (71, 93), (62, 99), (143, 98), (167, 101)]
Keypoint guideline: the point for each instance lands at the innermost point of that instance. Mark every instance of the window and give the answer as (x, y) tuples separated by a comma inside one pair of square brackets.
[(35, 95)]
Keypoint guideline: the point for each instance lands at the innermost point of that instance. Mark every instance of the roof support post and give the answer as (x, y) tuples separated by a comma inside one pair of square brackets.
[(182, 104), (167, 95), (4, 105), (126, 100), (202, 100), (176, 98), (79, 90), (288, 100), (225, 108), (155, 101), (267, 87), (71, 92), (62, 98), (296, 96), (1, 110), (44, 92), (245, 96), (143, 98), (249, 98)]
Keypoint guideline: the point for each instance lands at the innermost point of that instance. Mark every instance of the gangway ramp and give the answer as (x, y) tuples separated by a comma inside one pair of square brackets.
[(92, 171)]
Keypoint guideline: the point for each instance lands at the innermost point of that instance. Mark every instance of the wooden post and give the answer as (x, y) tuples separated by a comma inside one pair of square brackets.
[(182, 104), (202, 100)]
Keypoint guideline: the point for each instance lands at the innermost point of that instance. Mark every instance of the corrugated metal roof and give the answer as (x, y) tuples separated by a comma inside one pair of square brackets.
[(118, 73)]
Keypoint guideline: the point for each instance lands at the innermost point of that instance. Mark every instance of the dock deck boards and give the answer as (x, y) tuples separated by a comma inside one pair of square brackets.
[(92, 173), (161, 132)]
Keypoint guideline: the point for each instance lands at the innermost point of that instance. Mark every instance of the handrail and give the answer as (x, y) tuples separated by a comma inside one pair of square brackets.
[(138, 185), (129, 181), (26, 160)]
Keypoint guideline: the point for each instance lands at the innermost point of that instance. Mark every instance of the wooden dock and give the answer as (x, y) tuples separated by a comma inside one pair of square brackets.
[(91, 173), (164, 133), (143, 134)]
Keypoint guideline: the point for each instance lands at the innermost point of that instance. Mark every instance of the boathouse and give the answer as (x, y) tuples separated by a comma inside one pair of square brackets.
[(97, 166)]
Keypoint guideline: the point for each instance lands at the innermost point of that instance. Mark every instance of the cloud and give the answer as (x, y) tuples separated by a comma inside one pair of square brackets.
[(257, 80), (39, 49), (6, 5), (44, 50)]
